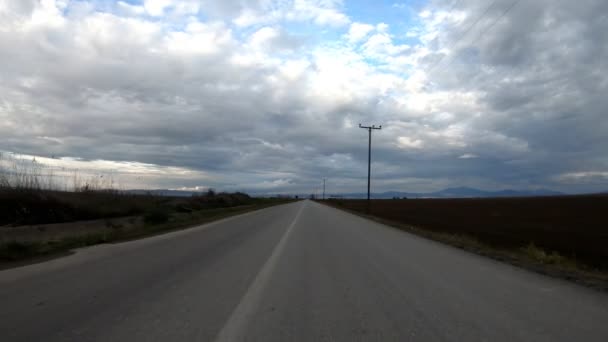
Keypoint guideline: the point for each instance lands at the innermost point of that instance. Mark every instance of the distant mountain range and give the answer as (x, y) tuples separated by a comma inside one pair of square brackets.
[(460, 192)]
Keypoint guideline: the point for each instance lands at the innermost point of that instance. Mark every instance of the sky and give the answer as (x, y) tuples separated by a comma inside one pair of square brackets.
[(266, 96)]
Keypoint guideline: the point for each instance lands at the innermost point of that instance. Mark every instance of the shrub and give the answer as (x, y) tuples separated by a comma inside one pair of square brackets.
[(541, 256), (157, 215), (15, 250)]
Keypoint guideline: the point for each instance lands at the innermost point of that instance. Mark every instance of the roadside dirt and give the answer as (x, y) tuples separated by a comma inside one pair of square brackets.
[(59, 231)]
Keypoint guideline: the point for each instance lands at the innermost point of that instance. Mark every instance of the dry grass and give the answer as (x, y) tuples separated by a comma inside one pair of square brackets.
[(31, 194)]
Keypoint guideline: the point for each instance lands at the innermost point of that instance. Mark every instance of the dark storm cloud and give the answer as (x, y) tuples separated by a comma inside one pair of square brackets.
[(540, 73)]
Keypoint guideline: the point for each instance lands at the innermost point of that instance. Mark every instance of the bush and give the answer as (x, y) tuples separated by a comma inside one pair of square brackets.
[(541, 256), (221, 200), (14, 250), (157, 216)]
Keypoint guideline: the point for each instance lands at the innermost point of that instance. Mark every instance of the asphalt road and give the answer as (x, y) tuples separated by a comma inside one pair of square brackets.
[(296, 272)]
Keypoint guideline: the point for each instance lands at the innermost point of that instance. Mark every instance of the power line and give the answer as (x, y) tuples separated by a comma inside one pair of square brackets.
[(513, 4), (464, 33), (484, 31), (454, 4)]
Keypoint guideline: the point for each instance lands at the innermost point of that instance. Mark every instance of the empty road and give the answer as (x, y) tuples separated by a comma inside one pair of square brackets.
[(295, 272)]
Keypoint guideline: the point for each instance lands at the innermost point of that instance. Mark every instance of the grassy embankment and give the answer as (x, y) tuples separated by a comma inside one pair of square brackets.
[(35, 223), (564, 236), (43, 212)]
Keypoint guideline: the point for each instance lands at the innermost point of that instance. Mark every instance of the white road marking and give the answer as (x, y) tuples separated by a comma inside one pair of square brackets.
[(235, 327)]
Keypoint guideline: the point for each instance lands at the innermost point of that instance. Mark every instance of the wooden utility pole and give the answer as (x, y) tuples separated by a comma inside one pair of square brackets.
[(369, 156)]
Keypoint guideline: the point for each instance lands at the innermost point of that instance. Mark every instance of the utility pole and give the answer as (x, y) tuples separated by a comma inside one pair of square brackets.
[(324, 188), (369, 155)]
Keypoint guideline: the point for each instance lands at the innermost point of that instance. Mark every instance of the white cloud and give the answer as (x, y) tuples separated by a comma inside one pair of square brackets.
[(381, 46), (46, 15), (358, 31), (382, 27), (425, 14), (271, 185), (295, 69), (156, 8), (196, 188), (199, 38), (584, 177), (407, 142), (272, 39), (250, 17), (321, 12), (129, 9)]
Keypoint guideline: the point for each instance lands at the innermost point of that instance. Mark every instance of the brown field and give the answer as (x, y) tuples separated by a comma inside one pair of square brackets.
[(573, 226)]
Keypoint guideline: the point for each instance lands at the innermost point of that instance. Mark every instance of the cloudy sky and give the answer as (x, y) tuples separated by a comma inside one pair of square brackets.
[(266, 95)]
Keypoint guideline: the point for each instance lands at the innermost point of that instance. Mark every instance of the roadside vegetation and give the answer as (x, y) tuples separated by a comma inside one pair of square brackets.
[(565, 236), (40, 215)]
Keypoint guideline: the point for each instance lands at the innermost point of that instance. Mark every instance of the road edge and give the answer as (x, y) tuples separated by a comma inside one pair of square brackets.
[(87, 253)]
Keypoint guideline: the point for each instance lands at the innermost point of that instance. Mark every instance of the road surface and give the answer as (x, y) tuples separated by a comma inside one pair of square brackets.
[(296, 272)]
